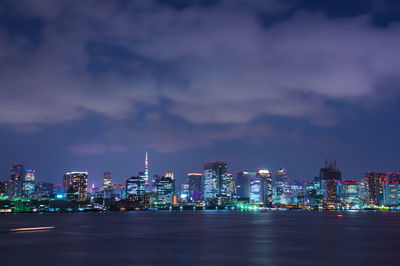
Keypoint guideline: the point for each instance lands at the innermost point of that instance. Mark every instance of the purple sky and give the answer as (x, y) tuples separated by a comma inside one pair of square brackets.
[(89, 85)]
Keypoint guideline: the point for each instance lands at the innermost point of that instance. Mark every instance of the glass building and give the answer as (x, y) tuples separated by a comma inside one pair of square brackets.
[(107, 181), (28, 185), (76, 186), (375, 190), (216, 182), (243, 184), (349, 193), (135, 186), (195, 182), (164, 187), (282, 193), (391, 194), (261, 187)]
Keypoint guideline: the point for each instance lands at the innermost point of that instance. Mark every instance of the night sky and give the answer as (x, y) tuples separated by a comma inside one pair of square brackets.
[(91, 85)]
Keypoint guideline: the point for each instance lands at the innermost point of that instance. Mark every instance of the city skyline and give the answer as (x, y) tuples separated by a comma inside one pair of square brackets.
[(254, 83)]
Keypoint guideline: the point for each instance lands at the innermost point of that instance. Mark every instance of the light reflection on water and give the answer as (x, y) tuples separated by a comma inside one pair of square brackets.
[(202, 238)]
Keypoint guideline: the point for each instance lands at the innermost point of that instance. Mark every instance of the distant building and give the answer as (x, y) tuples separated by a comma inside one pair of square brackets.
[(261, 187), (135, 186), (243, 183), (107, 181), (375, 190), (76, 186), (349, 193), (28, 184), (44, 190), (184, 193), (195, 182), (282, 188), (17, 174), (118, 192), (391, 194), (330, 177), (393, 177), (164, 187), (216, 181), (3, 188)]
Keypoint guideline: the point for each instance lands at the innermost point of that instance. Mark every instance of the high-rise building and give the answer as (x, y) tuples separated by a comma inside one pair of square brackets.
[(195, 182), (146, 173), (330, 177), (391, 194), (76, 185), (216, 182), (261, 187), (266, 180), (184, 192), (282, 188), (393, 177), (243, 184), (135, 186), (349, 193), (28, 184), (164, 187), (375, 191), (44, 190), (17, 174), (107, 181)]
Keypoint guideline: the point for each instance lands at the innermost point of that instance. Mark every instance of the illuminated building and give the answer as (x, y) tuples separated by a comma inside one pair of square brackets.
[(184, 195), (391, 194), (266, 182), (330, 177), (216, 182), (17, 174), (146, 173), (107, 181), (349, 193), (135, 186), (261, 187), (298, 194), (231, 190), (28, 184), (243, 183), (118, 192), (164, 187), (195, 182), (44, 190), (76, 186), (282, 193), (393, 177), (375, 181), (255, 190)]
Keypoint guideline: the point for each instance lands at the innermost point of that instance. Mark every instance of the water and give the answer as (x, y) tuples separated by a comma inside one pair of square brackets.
[(202, 238)]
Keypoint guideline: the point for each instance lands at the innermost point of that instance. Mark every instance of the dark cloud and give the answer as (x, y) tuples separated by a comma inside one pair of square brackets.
[(210, 70)]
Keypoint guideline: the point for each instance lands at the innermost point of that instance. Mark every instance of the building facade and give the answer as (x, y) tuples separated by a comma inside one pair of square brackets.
[(76, 185)]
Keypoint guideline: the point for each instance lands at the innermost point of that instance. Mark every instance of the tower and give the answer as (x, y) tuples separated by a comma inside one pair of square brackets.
[(146, 173)]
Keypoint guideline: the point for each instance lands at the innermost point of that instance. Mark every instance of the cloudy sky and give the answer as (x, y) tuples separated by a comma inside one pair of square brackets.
[(91, 85)]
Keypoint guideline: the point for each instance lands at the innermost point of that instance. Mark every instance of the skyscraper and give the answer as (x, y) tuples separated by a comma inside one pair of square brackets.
[(215, 180), (261, 187), (75, 184), (195, 182), (282, 188), (391, 194), (164, 187), (243, 184), (135, 186), (146, 173), (17, 175), (375, 192), (330, 177), (28, 184), (349, 193), (107, 181), (266, 181)]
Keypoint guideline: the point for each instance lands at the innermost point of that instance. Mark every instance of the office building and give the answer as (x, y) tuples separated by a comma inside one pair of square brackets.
[(282, 193), (391, 194), (195, 182), (107, 181), (216, 182), (17, 175), (135, 186), (375, 190), (76, 186), (28, 184), (243, 184), (164, 187)]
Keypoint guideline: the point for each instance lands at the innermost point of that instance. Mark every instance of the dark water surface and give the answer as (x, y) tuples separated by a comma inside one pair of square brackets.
[(202, 238)]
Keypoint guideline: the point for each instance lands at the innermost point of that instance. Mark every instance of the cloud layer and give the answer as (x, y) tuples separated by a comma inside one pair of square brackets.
[(206, 64)]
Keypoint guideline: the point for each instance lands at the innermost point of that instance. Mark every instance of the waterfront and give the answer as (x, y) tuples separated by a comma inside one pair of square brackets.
[(202, 238)]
